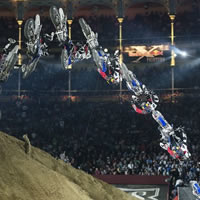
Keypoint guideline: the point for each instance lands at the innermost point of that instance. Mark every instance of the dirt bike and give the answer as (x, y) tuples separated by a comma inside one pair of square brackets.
[(179, 147), (35, 48), (59, 20), (8, 62), (100, 57), (91, 37), (74, 54), (71, 53)]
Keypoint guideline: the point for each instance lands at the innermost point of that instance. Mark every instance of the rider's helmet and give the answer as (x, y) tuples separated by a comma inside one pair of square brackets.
[(178, 152), (145, 105), (148, 106)]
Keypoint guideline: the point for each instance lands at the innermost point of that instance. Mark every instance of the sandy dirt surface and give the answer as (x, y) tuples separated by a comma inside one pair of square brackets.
[(39, 176)]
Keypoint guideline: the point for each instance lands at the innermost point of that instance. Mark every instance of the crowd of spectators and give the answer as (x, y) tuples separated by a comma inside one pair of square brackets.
[(143, 28), (105, 138), (154, 27), (9, 28), (147, 28), (106, 26), (49, 76)]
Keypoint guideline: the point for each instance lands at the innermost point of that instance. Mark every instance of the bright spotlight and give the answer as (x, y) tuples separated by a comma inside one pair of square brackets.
[(106, 50), (180, 52), (184, 53)]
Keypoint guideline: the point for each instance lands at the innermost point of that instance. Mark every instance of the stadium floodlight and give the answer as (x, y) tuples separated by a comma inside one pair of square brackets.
[(184, 53), (177, 51)]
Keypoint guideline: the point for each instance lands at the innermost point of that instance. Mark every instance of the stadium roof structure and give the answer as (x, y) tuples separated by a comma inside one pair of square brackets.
[(74, 5)]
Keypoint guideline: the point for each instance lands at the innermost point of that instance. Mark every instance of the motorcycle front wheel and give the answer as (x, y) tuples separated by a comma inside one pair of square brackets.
[(55, 16), (29, 29)]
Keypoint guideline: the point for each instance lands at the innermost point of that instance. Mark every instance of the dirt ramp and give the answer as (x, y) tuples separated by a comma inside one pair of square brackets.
[(38, 176)]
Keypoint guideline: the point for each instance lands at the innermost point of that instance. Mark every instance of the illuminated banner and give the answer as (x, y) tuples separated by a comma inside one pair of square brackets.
[(140, 187), (144, 192), (146, 51)]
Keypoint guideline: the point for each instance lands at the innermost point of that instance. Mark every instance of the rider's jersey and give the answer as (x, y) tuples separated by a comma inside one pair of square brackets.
[(139, 111), (172, 153), (103, 74), (145, 108)]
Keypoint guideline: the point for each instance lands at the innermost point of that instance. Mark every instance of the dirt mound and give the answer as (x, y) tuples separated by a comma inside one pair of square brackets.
[(39, 176)]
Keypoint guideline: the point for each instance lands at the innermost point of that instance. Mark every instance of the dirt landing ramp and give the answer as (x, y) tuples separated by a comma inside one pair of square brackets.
[(38, 176)]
